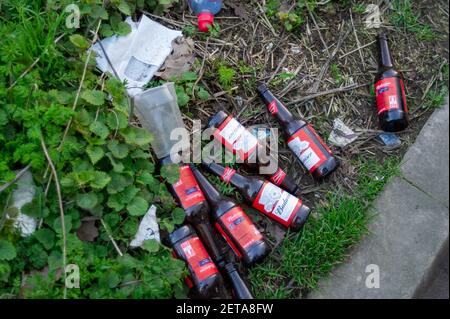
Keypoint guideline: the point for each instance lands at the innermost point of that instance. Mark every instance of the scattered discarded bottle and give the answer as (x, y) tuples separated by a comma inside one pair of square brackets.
[(301, 137), (188, 194), (233, 223), (237, 139), (204, 275), (240, 288), (266, 197), (390, 91), (205, 11)]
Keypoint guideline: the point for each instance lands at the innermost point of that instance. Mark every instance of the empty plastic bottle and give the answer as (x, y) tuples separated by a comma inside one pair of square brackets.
[(205, 11)]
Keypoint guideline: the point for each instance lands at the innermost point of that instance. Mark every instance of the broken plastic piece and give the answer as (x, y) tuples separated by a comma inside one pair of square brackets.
[(389, 140), (22, 195)]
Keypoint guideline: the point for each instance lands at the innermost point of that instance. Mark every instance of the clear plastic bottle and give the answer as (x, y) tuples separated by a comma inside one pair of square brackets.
[(205, 11)]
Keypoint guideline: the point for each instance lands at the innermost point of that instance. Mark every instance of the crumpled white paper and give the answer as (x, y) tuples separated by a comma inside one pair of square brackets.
[(148, 229), (23, 194), (342, 135), (138, 55)]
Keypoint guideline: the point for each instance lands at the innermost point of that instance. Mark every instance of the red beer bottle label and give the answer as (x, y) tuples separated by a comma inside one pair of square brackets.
[(198, 258), (277, 203), (390, 93), (305, 145), (187, 188), (227, 175), (241, 228), (278, 177), (236, 138)]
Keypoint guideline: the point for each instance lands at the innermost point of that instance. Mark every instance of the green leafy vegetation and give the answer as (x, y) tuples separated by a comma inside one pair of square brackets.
[(104, 165)]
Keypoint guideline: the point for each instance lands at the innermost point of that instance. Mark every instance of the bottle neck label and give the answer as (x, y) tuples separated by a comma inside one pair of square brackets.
[(227, 175), (201, 265), (309, 148), (242, 231), (273, 108), (390, 93), (187, 189), (277, 204), (236, 138), (278, 177)]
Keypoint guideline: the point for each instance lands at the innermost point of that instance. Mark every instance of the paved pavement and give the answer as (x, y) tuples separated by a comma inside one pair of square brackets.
[(406, 254)]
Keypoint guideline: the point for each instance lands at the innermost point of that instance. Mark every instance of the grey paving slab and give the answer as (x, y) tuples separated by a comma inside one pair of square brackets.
[(426, 163), (435, 285), (406, 235)]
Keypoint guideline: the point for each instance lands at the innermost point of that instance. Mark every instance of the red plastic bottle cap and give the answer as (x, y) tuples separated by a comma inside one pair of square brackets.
[(205, 20)]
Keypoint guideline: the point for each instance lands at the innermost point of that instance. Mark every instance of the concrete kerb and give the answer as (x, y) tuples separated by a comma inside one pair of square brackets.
[(409, 230)]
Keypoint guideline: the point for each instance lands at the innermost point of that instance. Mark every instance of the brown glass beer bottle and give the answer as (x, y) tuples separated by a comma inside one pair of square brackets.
[(390, 91), (301, 137), (237, 139), (233, 223), (189, 196), (266, 197), (204, 275)]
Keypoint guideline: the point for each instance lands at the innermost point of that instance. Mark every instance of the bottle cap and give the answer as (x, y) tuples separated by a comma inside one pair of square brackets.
[(180, 233), (217, 119), (262, 88), (205, 20)]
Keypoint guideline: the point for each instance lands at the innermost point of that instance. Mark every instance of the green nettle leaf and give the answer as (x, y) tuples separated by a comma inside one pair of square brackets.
[(203, 94), (140, 154), (178, 215), (151, 245), (57, 225), (119, 151), (182, 97), (46, 237), (79, 41), (99, 129), (114, 202), (7, 250), (83, 117), (138, 207), (116, 120), (99, 180), (95, 153), (118, 167), (136, 136), (146, 179), (109, 279), (118, 183), (87, 201), (93, 97), (5, 271), (189, 76), (123, 28), (3, 118), (171, 172), (99, 12), (124, 8)]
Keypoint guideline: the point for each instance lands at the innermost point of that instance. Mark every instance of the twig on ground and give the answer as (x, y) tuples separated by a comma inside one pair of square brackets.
[(325, 67), (61, 211), (18, 176), (111, 237), (74, 106), (328, 92)]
